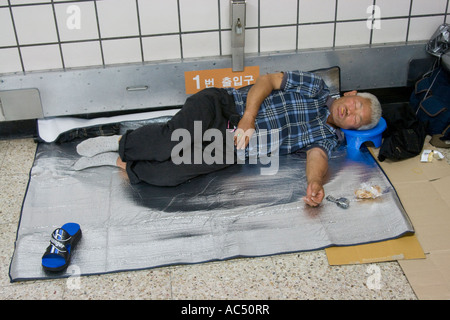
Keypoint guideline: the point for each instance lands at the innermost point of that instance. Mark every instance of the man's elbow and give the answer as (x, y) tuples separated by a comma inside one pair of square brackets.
[(317, 153), (272, 79)]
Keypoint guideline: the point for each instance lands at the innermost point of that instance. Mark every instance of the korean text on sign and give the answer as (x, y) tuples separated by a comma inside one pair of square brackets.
[(219, 78)]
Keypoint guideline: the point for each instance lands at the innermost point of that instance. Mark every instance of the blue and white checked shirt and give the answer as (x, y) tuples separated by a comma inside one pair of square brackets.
[(293, 117)]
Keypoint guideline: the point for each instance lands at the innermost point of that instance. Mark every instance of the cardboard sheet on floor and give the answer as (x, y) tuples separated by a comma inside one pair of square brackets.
[(423, 189), (235, 212), (406, 247)]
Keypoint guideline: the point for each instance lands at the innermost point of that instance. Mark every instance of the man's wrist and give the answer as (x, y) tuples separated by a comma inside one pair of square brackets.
[(247, 116), (315, 181)]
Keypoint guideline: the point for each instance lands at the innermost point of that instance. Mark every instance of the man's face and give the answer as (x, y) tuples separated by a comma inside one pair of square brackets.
[(351, 111)]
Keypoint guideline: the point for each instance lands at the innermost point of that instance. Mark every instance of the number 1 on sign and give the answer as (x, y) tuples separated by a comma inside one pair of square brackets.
[(197, 79)]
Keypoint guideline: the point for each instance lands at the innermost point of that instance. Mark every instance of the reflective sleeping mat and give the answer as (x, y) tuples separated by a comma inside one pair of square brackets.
[(235, 212)]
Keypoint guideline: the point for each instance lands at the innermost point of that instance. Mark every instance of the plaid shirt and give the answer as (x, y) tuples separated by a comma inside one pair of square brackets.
[(293, 117)]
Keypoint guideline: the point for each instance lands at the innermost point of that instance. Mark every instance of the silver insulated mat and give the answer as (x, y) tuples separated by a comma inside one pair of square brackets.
[(235, 212)]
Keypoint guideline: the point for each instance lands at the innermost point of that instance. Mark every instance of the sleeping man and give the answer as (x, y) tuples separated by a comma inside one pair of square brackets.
[(286, 112)]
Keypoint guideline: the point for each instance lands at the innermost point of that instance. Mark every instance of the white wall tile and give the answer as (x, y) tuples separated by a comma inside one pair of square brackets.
[(397, 8), (422, 28), (158, 16), (352, 33), (353, 9), (161, 48), (7, 37), (200, 44), (26, 1), (278, 39), (225, 14), (251, 13), (121, 51), (315, 36), (251, 41), (226, 42), (76, 21), (391, 31), (9, 60), (35, 24), (3, 2), (316, 11), (278, 12), (82, 54), (117, 18), (199, 15), (428, 7), (41, 57)]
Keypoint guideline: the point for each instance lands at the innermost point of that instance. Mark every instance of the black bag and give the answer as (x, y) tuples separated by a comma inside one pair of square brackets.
[(431, 102), (405, 134)]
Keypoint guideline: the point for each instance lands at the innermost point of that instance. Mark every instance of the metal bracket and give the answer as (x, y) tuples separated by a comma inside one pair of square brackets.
[(237, 34)]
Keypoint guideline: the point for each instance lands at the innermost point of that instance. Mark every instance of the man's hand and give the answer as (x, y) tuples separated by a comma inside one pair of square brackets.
[(244, 131), (314, 194)]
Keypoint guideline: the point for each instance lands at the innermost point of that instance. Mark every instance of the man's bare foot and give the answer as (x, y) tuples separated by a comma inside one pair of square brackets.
[(121, 164)]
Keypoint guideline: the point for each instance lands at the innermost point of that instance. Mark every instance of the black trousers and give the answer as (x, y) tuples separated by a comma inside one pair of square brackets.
[(147, 150)]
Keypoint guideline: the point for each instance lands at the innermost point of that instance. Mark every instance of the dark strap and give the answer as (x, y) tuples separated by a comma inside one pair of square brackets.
[(58, 242)]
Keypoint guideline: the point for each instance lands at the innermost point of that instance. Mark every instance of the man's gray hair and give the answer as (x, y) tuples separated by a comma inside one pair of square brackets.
[(376, 110)]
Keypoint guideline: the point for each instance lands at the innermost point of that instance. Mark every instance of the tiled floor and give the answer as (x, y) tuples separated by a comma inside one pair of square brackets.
[(292, 276)]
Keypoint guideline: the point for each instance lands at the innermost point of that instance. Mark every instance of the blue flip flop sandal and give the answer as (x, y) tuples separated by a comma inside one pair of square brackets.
[(62, 243)]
